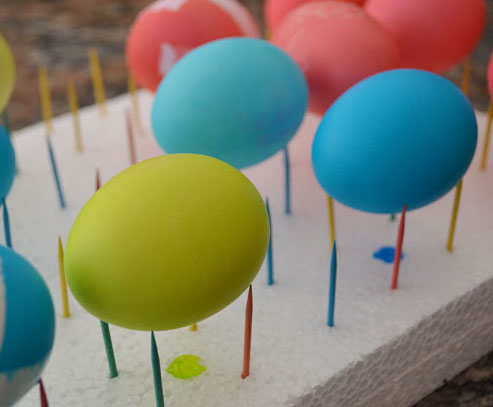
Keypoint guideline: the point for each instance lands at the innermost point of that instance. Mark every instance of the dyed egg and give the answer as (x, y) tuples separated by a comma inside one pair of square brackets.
[(276, 10), (432, 34), (240, 100), (168, 29), (7, 73), (167, 242), (399, 137), (336, 45), (7, 164), (27, 326), (490, 76)]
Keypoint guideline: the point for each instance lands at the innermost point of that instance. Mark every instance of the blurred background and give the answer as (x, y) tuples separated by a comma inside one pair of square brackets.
[(58, 33)]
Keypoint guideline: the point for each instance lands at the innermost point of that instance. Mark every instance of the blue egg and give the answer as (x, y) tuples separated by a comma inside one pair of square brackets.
[(27, 326), (399, 137), (7, 163), (238, 99)]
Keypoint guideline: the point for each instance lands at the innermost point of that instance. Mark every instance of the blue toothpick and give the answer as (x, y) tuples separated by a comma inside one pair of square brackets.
[(6, 225), (287, 182), (270, 268), (332, 287), (55, 172), (156, 370)]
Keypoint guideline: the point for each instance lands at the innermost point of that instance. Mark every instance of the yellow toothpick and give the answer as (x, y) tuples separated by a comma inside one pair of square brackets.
[(74, 108), (44, 92), (132, 89), (484, 156), (466, 80), (193, 327), (332, 228), (453, 220), (97, 80), (63, 281)]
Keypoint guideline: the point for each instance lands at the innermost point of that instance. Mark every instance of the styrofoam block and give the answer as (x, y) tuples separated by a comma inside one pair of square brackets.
[(388, 348)]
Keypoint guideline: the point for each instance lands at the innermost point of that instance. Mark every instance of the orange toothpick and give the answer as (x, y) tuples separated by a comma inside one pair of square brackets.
[(248, 335), (131, 141), (398, 249)]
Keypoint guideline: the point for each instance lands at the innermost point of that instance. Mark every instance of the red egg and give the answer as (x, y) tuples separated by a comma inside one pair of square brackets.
[(276, 10), (432, 34), (490, 76), (336, 45), (168, 29)]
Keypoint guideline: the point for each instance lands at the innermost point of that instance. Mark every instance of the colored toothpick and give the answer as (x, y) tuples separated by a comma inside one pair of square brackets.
[(156, 370), (63, 281), (287, 182), (466, 76), (453, 220), (44, 91), (332, 286), (98, 180), (270, 268), (398, 249), (97, 80), (332, 228), (132, 90), (6, 122), (6, 225), (108, 346), (55, 172), (247, 346), (131, 140), (42, 395), (484, 156), (74, 109), (193, 327)]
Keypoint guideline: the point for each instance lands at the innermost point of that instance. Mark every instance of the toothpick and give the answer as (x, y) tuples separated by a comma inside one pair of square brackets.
[(332, 286), (42, 395), (108, 345), (8, 129), (332, 228), (74, 109), (63, 281), (44, 91), (248, 335), (466, 76), (156, 370), (55, 172), (193, 327), (270, 268), (132, 90), (484, 156), (453, 220), (98, 180), (398, 249), (6, 225), (97, 80), (130, 137), (287, 182)]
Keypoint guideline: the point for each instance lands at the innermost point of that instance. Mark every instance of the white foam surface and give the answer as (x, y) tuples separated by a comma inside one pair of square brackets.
[(388, 348)]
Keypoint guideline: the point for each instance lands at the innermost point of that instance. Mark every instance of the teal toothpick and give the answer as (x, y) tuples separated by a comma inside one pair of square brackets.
[(6, 224), (332, 286), (55, 172), (108, 345), (287, 182), (392, 217), (8, 129), (156, 370), (270, 268)]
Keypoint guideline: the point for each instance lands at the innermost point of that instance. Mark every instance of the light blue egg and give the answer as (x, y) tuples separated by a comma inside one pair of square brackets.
[(399, 137), (7, 164), (27, 326), (238, 99)]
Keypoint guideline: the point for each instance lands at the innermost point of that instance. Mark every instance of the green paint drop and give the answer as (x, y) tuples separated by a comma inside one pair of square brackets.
[(185, 367)]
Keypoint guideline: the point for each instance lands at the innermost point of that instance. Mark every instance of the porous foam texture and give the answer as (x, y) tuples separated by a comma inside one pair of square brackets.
[(388, 348)]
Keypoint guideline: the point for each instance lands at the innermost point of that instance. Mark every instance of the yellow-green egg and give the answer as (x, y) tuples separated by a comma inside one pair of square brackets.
[(167, 242)]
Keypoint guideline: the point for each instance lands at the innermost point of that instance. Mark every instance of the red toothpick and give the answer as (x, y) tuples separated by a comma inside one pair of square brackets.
[(98, 180), (398, 249), (248, 335), (130, 135), (42, 394)]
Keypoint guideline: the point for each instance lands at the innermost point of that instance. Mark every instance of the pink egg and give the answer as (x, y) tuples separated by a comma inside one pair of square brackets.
[(168, 29), (490, 76), (336, 45), (276, 10), (432, 34)]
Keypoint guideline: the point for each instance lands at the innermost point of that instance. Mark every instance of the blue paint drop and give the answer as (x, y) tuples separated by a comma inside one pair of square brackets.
[(386, 254)]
